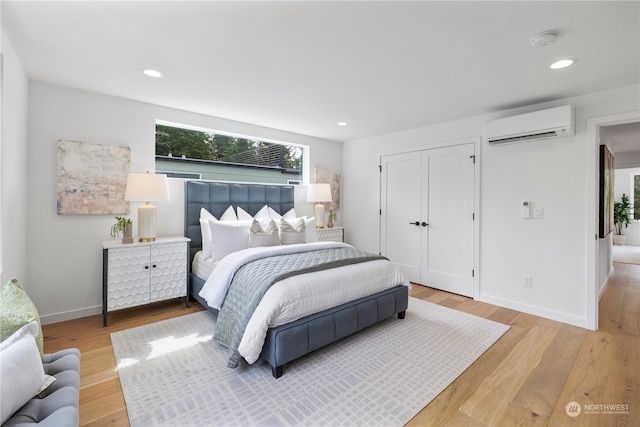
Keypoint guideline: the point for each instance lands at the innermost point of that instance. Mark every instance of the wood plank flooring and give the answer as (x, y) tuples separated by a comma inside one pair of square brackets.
[(526, 379)]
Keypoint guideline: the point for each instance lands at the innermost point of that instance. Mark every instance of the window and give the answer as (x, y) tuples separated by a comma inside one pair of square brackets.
[(211, 155), (636, 197)]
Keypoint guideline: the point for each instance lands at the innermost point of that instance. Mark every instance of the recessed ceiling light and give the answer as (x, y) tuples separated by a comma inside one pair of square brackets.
[(563, 63), (342, 123), (152, 73)]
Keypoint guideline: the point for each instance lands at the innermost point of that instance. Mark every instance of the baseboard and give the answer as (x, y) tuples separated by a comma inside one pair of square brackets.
[(605, 284), (47, 319), (536, 311)]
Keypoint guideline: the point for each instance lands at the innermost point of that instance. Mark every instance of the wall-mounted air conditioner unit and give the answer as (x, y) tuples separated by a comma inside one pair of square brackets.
[(544, 124)]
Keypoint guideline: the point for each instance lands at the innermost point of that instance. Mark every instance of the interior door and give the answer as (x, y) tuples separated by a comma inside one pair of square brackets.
[(427, 218), (400, 205), (448, 206)]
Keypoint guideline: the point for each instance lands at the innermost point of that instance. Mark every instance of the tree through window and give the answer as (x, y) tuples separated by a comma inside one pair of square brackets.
[(216, 156)]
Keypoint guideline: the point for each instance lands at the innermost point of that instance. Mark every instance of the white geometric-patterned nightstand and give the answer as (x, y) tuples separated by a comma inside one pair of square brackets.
[(142, 272), (335, 234)]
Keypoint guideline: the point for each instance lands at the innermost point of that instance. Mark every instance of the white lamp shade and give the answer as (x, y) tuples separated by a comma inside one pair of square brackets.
[(319, 193), (147, 187)]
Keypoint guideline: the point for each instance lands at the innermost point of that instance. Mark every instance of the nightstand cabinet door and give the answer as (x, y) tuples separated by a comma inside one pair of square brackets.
[(127, 277), (168, 271), (143, 272)]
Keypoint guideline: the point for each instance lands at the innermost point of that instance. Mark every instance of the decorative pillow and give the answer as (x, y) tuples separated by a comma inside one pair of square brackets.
[(207, 243), (205, 229), (228, 237), (291, 214), (310, 224), (263, 232), (229, 215), (293, 231), (263, 213), (21, 371), (16, 310)]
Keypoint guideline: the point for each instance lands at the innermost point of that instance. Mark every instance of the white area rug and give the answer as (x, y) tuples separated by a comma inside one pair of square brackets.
[(626, 254), (172, 374)]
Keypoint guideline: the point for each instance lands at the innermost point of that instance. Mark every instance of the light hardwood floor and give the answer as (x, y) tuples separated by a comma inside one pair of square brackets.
[(526, 379)]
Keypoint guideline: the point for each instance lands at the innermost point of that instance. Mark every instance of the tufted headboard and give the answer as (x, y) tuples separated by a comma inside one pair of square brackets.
[(217, 196)]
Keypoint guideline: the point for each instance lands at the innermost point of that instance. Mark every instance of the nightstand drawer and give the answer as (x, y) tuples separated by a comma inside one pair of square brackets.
[(335, 234)]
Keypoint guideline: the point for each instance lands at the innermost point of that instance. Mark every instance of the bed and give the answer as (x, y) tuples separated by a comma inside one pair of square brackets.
[(288, 341)]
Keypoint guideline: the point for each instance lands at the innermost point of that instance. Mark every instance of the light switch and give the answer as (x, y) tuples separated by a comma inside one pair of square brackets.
[(524, 211), (538, 212)]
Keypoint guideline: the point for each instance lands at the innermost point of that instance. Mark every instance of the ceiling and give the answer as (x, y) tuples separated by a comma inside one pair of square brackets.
[(302, 66), (623, 140)]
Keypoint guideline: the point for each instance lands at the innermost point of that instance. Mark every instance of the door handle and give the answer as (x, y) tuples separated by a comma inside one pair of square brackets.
[(415, 223), (424, 224)]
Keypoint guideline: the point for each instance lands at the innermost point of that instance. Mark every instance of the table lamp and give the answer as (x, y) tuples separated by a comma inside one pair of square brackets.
[(319, 193), (147, 187)]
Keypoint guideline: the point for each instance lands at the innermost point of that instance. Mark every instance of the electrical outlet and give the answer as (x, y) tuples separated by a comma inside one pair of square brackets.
[(527, 281)]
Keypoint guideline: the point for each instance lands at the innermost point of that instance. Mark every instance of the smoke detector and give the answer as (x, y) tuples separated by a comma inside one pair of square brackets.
[(544, 39)]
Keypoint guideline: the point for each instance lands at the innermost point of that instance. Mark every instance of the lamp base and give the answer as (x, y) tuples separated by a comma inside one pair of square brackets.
[(318, 211), (147, 223)]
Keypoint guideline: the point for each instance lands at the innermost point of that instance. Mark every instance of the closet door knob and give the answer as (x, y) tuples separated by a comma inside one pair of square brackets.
[(424, 224), (415, 223)]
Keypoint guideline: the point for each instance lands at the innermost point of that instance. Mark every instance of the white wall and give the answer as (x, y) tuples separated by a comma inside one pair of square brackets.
[(64, 251), (550, 174), (13, 166), (64, 264), (624, 184)]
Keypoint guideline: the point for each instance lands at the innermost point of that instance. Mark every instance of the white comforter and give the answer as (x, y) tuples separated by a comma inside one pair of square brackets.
[(298, 296)]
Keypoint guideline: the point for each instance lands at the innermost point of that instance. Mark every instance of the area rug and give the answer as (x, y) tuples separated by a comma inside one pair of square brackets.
[(173, 374), (626, 254)]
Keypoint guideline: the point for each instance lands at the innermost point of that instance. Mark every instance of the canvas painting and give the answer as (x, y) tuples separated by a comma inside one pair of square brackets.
[(607, 166), (333, 178), (92, 178)]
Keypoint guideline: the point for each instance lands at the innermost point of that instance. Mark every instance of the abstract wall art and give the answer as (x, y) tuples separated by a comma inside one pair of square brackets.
[(606, 191), (325, 176), (92, 178)]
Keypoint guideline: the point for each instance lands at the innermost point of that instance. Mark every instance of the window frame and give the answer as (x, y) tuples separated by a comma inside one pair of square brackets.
[(305, 164)]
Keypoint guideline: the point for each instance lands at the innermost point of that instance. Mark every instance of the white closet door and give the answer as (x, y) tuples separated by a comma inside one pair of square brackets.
[(448, 203), (427, 226), (400, 206)]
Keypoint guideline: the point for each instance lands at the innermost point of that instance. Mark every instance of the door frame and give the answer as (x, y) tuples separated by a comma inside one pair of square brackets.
[(477, 145), (592, 143)]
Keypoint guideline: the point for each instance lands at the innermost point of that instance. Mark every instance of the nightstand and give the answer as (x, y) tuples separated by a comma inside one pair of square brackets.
[(143, 272), (335, 234)]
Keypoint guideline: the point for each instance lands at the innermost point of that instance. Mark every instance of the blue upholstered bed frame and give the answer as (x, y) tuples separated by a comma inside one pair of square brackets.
[(287, 342)]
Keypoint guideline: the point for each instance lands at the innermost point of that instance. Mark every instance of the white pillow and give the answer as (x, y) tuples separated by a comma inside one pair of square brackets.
[(263, 232), (293, 231), (205, 228), (310, 225), (228, 237), (263, 213), (291, 214), (229, 215), (21, 372)]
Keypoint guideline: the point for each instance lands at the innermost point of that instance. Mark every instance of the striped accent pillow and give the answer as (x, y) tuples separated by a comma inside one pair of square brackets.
[(263, 233), (293, 232)]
